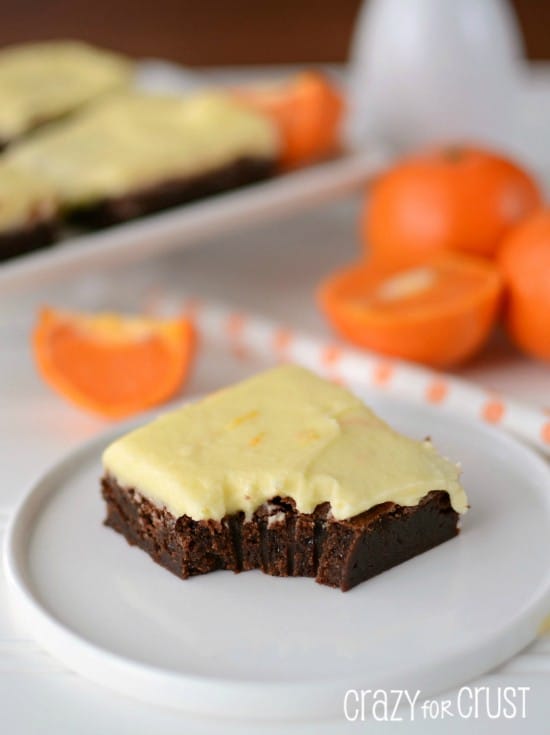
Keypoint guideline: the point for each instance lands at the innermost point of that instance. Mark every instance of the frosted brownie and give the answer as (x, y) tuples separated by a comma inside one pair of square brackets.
[(136, 153), (284, 472), (40, 82), (28, 212)]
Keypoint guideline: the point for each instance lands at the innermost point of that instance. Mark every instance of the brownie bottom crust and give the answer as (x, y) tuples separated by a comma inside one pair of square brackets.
[(172, 192), (281, 541), (27, 238)]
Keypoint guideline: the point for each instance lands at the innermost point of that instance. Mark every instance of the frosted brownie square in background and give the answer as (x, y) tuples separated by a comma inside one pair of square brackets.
[(40, 82), (28, 212), (136, 153)]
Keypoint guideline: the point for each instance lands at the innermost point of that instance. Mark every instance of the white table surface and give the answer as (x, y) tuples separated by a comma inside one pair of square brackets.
[(271, 270)]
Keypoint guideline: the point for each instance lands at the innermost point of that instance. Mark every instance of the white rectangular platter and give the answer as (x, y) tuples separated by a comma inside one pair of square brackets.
[(188, 224)]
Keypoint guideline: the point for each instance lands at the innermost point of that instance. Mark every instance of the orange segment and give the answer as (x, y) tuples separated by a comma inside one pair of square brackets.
[(525, 264), (438, 314), (111, 364), (307, 110)]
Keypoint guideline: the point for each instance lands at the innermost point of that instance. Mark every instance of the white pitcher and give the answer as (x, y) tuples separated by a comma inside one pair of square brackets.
[(428, 71)]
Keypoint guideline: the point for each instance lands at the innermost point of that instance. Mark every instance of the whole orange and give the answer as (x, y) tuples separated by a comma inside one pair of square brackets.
[(307, 110), (524, 259), (454, 198)]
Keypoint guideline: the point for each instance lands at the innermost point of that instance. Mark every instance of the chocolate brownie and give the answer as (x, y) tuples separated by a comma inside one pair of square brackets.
[(173, 192), (137, 153), (27, 238), (41, 82), (28, 212), (284, 472), (281, 541)]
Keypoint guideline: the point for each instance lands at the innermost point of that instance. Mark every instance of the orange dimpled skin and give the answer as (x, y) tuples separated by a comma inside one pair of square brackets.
[(307, 110), (110, 364), (439, 314), (456, 198), (524, 260)]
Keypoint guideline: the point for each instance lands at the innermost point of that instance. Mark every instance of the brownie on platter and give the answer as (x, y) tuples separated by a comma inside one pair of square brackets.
[(41, 82), (136, 153), (284, 472), (28, 212)]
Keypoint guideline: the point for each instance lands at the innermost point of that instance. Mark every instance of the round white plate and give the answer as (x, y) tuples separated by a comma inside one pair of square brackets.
[(257, 646)]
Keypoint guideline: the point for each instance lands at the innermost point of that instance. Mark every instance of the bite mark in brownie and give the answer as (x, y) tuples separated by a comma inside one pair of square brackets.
[(281, 541)]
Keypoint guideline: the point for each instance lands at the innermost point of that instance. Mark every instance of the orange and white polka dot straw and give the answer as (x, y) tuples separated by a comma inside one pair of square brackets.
[(245, 333)]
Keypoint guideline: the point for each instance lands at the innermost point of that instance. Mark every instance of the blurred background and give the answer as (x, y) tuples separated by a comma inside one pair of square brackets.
[(221, 32)]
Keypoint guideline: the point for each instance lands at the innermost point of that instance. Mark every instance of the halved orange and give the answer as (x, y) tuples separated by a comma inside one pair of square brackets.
[(439, 313), (112, 364), (307, 110)]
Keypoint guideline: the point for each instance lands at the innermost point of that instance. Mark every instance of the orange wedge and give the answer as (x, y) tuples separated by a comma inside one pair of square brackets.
[(439, 313), (111, 364), (307, 109)]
